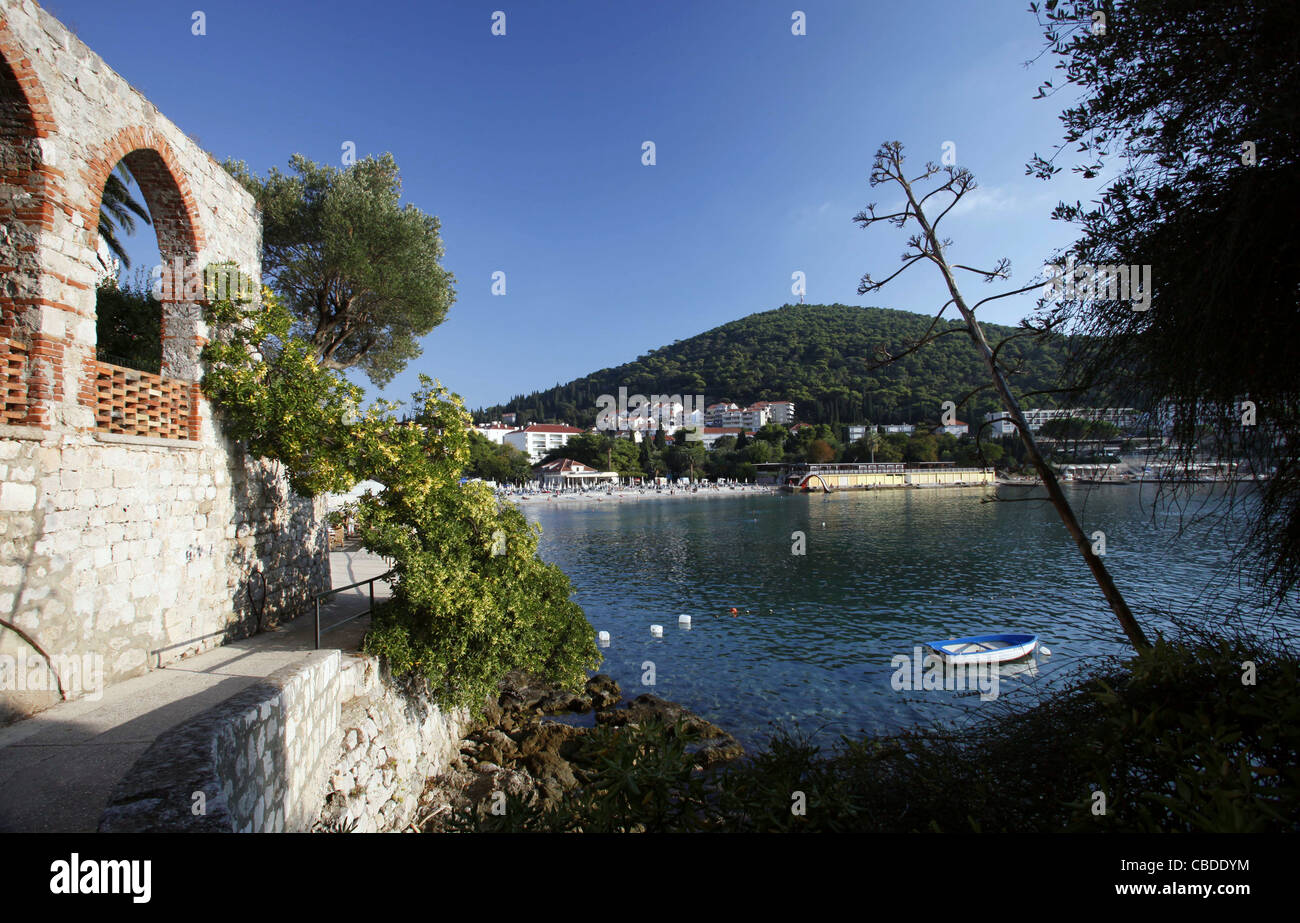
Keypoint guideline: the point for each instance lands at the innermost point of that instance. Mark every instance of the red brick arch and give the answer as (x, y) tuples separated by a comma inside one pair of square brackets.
[(26, 210), (21, 65), (162, 181), (25, 118), (29, 118)]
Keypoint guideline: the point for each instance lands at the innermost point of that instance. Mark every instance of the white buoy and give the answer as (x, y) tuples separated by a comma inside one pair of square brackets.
[(684, 620), (657, 631), (602, 637), (1044, 651)]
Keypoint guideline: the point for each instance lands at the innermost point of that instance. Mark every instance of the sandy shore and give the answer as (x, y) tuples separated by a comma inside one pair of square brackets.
[(635, 495)]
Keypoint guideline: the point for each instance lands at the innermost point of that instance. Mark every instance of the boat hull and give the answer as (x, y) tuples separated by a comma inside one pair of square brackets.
[(985, 648)]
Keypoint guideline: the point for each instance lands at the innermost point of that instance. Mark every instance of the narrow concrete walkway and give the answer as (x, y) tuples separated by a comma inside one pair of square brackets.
[(58, 768)]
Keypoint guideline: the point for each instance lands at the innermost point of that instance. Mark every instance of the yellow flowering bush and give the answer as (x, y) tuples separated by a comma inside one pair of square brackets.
[(471, 599)]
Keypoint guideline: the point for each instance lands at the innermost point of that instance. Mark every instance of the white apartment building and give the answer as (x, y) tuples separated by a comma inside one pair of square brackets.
[(778, 411), (536, 439), (905, 428), (1000, 424), (495, 431), (714, 414), (671, 415), (751, 418), (857, 432), (1125, 418)]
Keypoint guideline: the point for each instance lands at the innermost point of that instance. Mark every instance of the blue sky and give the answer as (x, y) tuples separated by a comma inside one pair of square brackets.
[(528, 148)]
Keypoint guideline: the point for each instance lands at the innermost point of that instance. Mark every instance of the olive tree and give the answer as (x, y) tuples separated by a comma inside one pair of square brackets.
[(360, 272)]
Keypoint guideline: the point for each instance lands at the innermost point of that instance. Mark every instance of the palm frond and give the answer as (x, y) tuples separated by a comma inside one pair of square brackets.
[(118, 211)]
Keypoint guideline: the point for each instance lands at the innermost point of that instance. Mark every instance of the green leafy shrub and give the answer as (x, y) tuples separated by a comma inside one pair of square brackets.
[(471, 599), (277, 398)]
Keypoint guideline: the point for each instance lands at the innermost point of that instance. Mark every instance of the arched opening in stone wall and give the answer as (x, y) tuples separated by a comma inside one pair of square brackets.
[(144, 377), (128, 307), (24, 210)]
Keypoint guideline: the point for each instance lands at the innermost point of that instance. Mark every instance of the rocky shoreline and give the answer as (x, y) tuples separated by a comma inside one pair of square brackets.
[(523, 747)]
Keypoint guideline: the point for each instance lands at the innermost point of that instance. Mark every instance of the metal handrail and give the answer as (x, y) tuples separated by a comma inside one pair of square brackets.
[(351, 586)]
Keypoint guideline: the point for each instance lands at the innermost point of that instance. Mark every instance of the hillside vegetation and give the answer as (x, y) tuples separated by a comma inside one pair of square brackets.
[(819, 356)]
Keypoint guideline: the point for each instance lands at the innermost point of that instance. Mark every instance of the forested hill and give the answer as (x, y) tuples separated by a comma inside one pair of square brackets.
[(819, 356)]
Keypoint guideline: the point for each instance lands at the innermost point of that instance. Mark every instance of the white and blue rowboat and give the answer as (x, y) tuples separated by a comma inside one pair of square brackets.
[(985, 648)]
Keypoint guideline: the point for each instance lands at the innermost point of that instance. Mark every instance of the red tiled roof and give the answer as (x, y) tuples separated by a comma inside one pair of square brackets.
[(564, 464), (548, 428)]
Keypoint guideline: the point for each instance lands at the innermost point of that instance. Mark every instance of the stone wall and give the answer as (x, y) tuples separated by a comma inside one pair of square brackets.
[(252, 764), (124, 551), (138, 553), (328, 738), (391, 742)]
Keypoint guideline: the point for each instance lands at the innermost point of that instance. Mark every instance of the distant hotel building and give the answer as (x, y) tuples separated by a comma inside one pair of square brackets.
[(751, 418), (536, 439), (1000, 424), (1123, 418), (778, 411), (647, 418), (495, 431)]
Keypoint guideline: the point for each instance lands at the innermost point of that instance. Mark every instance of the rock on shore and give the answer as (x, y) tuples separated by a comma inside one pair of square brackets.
[(522, 750)]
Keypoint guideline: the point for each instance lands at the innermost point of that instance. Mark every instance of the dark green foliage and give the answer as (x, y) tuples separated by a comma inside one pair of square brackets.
[(471, 598), (128, 325), (1174, 739), (359, 271), (493, 461), (819, 356), (1167, 97)]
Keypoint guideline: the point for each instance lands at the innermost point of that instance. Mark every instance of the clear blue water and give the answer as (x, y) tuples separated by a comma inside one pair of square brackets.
[(811, 648)]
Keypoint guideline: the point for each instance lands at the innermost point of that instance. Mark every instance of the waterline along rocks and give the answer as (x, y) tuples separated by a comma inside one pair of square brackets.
[(529, 746)]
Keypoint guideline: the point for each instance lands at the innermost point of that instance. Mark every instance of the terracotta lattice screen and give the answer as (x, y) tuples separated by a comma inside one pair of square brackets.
[(13, 365), (138, 403)]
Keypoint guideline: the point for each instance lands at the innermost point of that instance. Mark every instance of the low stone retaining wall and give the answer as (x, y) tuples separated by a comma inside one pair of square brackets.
[(392, 742), (329, 734)]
